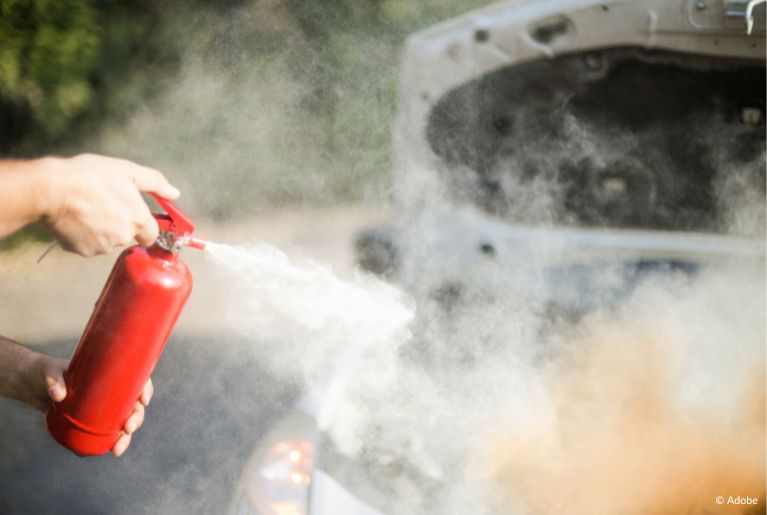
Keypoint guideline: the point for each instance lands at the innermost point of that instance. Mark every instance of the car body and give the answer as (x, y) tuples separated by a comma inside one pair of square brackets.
[(563, 150)]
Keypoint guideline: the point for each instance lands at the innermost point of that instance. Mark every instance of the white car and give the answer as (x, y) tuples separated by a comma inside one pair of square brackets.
[(561, 149)]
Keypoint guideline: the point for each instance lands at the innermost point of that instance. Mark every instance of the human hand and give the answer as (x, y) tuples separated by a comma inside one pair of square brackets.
[(93, 203), (47, 383)]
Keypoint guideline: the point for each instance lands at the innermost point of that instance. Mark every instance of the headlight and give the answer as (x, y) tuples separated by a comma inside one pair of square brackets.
[(279, 486), (276, 479), (281, 477)]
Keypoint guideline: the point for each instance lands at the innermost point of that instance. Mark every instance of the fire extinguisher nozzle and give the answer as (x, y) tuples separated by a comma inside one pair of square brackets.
[(197, 243)]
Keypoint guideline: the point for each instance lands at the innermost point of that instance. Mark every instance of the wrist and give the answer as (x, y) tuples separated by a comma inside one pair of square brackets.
[(50, 194), (19, 371), (29, 381)]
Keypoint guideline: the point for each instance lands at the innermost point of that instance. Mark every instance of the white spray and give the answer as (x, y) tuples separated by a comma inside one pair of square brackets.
[(308, 323)]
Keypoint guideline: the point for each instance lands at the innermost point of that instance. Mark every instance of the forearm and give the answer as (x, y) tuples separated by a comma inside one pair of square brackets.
[(17, 366), (26, 192)]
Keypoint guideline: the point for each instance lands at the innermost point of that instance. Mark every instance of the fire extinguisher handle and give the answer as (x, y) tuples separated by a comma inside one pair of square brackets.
[(173, 220)]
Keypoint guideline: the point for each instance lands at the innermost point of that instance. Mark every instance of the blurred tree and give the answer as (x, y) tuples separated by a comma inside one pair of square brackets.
[(56, 58), (50, 48)]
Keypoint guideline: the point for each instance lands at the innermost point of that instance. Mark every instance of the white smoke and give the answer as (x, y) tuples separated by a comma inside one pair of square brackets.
[(503, 406)]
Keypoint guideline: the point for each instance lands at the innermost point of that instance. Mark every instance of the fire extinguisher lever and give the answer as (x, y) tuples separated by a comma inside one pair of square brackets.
[(176, 228)]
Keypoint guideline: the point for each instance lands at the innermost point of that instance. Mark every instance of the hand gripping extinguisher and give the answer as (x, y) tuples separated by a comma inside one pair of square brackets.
[(124, 338)]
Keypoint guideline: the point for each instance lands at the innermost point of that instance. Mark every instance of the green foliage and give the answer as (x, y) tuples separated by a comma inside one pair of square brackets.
[(56, 58), (50, 49), (34, 232)]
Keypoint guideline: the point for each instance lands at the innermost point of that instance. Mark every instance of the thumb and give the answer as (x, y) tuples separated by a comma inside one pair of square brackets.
[(54, 379)]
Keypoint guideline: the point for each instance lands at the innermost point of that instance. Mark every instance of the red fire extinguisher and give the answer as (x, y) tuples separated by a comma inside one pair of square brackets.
[(124, 338)]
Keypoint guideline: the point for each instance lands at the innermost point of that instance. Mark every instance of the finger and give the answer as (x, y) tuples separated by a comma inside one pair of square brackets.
[(152, 181), (146, 234), (122, 443), (147, 229), (53, 370), (135, 420), (148, 392)]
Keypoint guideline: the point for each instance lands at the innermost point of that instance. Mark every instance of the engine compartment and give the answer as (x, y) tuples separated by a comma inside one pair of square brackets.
[(616, 137)]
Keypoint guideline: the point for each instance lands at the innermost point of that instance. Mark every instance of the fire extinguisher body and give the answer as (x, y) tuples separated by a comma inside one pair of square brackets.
[(122, 342)]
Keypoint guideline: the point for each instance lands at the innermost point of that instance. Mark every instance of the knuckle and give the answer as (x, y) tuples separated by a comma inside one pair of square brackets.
[(105, 244), (124, 232), (152, 231), (148, 228), (85, 158), (126, 237), (86, 251), (145, 222)]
